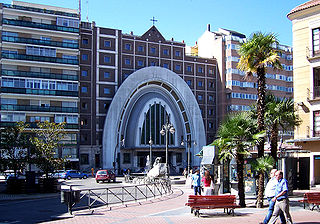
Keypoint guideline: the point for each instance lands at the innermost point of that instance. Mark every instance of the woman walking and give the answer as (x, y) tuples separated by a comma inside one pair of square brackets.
[(207, 183)]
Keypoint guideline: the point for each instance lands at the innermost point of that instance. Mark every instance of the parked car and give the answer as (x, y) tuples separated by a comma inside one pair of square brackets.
[(58, 174), (73, 174), (105, 175)]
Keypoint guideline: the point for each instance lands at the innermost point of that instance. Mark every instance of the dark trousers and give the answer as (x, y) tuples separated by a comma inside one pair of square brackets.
[(197, 190)]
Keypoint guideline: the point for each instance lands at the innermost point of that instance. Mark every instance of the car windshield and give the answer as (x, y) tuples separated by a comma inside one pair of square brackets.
[(102, 172)]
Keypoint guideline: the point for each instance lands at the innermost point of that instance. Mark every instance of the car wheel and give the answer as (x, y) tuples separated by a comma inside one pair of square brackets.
[(97, 181), (69, 178), (114, 180), (84, 177), (109, 180)]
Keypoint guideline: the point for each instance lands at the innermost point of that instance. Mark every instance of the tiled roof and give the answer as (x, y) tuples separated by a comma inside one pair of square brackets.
[(303, 6)]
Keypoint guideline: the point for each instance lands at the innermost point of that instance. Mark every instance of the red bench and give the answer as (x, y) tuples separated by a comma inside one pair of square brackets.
[(311, 198), (197, 202)]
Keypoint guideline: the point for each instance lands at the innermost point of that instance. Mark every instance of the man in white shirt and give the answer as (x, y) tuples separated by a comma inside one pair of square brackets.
[(270, 193)]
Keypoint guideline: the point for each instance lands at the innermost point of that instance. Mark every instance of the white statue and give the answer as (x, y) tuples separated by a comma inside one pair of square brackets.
[(159, 169)]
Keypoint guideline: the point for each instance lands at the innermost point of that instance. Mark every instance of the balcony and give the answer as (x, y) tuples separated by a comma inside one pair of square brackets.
[(39, 92), (39, 58), (38, 108), (53, 12), (14, 22), (40, 42), (34, 125), (15, 73)]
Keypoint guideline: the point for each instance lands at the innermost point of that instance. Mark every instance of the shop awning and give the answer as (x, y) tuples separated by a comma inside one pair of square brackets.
[(207, 155)]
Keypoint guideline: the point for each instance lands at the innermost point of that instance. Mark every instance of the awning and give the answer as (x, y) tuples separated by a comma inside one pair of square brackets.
[(208, 155)]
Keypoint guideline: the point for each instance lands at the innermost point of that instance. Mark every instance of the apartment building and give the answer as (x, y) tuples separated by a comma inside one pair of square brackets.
[(306, 72), (235, 93), (39, 69), (128, 90)]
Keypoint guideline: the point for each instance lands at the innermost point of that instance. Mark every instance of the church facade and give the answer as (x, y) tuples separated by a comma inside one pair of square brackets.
[(130, 86)]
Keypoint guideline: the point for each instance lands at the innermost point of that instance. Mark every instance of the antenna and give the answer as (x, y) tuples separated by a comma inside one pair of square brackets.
[(87, 10), (79, 10)]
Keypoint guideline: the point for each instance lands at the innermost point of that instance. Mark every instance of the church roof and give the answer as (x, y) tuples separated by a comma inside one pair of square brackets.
[(153, 35), (304, 6)]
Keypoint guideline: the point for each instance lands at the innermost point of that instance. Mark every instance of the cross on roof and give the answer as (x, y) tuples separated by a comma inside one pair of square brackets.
[(153, 20)]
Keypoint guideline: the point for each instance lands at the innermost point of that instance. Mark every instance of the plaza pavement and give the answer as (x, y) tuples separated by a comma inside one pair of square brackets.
[(172, 210)]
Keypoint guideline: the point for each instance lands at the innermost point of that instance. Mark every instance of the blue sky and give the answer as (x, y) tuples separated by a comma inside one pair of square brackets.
[(187, 19)]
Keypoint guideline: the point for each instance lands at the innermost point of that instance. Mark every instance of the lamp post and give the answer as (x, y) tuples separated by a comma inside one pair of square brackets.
[(164, 131), (188, 142), (114, 154), (150, 156)]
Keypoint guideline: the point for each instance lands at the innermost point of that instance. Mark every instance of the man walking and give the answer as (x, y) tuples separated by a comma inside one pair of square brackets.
[(281, 199), (270, 193), (196, 182)]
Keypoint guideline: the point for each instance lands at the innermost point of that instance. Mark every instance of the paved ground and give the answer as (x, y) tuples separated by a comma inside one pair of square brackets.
[(171, 209)]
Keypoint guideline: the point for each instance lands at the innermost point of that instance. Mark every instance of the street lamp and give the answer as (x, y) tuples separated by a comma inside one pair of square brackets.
[(150, 156), (164, 131), (188, 142), (114, 154)]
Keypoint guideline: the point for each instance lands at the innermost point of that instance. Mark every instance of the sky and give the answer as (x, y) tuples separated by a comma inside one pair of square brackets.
[(186, 20)]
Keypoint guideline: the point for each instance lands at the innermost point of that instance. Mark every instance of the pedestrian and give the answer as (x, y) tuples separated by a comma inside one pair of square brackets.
[(196, 183), (207, 183), (270, 193), (92, 172), (281, 199), (189, 180), (185, 173)]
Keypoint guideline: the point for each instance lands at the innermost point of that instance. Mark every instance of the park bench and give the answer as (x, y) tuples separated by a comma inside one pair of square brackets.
[(197, 202), (311, 198)]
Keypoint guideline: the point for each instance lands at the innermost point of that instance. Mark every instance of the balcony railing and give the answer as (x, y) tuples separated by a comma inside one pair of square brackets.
[(39, 58), (39, 75), (40, 42), (38, 108), (25, 8), (34, 125), (39, 91), (14, 22)]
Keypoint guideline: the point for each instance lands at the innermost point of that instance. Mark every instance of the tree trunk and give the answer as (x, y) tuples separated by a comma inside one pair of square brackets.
[(261, 104), (260, 190), (274, 144), (240, 163)]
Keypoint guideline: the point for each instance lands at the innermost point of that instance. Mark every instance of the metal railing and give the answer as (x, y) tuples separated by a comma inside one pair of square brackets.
[(77, 199)]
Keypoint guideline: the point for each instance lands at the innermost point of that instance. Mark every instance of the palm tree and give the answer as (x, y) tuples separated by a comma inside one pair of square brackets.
[(236, 135), (255, 55), (279, 113)]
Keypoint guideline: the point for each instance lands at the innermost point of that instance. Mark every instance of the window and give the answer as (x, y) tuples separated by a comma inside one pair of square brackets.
[(140, 48), (153, 50), (210, 111), (189, 82), (140, 63), (13, 117), (67, 22), (84, 57), (210, 71), (315, 41), (200, 97), (85, 41), (200, 69), (178, 67), (84, 105), (106, 91), (106, 75), (84, 89), (165, 52), (178, 53), (153, 63), (127, 61), (107, 59), (211, 84), (165, 65), (84, 159), (127, 47), (126, 158), (189, 68), (200, 83), (84, 122), (84, 73), (107, 43), (210, 98), (316, 123), (41, 51)]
